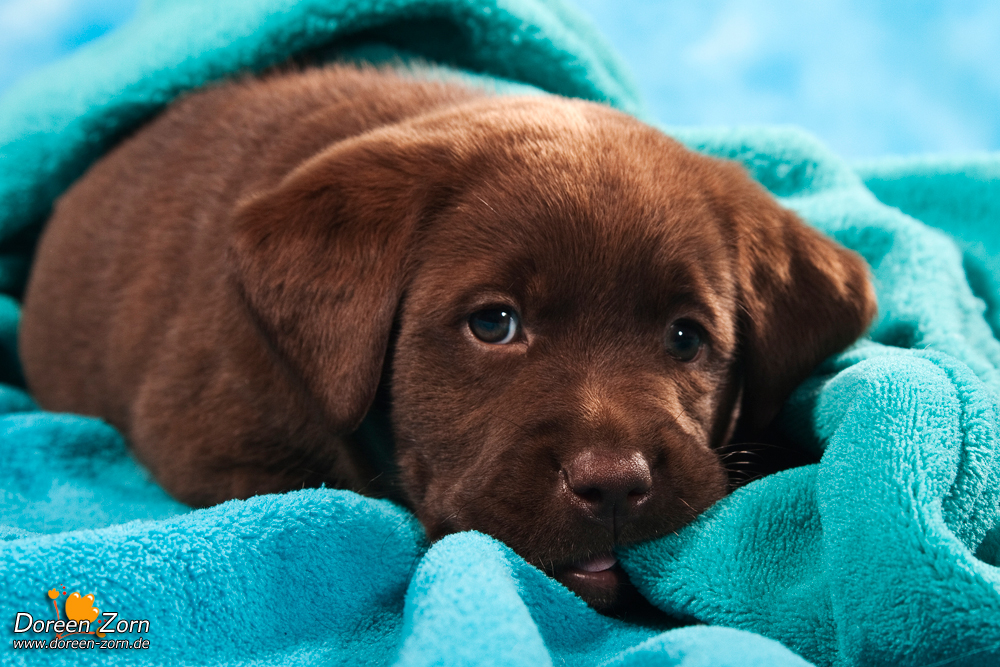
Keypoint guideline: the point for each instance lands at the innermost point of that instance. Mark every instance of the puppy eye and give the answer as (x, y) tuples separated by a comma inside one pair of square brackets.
[(684, 340), (494, 325)]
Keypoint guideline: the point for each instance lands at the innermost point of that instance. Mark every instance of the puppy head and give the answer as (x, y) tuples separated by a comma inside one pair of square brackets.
[(584, 311)]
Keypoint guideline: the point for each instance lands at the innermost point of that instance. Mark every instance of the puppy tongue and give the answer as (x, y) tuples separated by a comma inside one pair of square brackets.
[(598, 564)]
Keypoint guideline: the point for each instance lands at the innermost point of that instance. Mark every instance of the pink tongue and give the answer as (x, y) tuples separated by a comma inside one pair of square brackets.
[(599, 564)]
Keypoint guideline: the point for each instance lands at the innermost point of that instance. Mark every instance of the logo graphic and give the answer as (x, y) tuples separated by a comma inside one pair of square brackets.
[(79, 616), (77, 609)]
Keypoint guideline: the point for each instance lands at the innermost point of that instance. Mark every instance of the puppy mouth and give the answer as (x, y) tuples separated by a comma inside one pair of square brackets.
[(596, 567), (598, 580)]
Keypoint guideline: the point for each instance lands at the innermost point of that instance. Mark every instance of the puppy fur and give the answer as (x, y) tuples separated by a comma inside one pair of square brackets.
[(235, 284)]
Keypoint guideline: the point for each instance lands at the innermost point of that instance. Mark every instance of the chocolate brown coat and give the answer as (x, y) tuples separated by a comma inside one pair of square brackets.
[(233, 284)]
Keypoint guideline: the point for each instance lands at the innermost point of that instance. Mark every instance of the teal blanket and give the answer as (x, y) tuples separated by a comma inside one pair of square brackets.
[(884, 553)]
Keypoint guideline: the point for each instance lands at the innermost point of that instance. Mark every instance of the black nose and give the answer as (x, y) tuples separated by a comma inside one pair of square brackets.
[(606, 485)]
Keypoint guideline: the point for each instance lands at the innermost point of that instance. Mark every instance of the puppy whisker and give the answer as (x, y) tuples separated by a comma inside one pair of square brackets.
[(487, 205)]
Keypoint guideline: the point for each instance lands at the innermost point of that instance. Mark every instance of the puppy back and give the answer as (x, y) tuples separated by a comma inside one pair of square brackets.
[(130, 271)]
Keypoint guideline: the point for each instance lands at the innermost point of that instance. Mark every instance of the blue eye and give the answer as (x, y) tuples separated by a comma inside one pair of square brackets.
[(684, 340), (494, 325)]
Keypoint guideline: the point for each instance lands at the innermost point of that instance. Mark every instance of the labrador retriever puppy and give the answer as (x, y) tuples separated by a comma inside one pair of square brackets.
[(555, 314)]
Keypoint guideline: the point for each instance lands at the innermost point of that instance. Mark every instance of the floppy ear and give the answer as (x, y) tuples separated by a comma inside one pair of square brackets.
[(321, 260), (803, 296)]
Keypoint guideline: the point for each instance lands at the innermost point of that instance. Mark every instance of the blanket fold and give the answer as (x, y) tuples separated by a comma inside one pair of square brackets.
[(884, 553)]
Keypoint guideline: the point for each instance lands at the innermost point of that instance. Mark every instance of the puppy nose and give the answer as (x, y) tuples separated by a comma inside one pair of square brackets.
[(608, 484)]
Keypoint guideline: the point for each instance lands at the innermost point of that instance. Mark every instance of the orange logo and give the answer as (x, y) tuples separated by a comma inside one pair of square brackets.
[(79, 609)]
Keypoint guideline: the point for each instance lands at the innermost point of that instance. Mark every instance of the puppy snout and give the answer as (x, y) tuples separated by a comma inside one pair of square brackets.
[(607, 486)]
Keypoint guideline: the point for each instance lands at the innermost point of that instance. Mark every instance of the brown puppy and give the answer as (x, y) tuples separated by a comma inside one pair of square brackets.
[(566, 311)]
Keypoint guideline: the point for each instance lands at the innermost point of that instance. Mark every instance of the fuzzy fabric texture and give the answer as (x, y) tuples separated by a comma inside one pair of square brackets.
[(958, 195), (885, 553)]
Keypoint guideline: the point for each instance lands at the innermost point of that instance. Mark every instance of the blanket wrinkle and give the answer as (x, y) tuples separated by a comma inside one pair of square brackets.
[(886, 552)]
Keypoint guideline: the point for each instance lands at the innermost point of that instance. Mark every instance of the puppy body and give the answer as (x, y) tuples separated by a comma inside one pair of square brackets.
[(230, 286), (131, 313)]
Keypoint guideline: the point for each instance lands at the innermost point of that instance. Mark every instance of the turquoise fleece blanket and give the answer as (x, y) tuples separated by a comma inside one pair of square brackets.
[(884, 553)]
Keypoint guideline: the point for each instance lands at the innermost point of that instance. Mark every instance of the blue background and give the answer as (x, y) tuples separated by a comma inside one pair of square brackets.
[(868, 77)]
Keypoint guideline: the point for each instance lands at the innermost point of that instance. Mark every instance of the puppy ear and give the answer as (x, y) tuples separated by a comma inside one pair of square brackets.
[(803, 296), (320, 263)]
